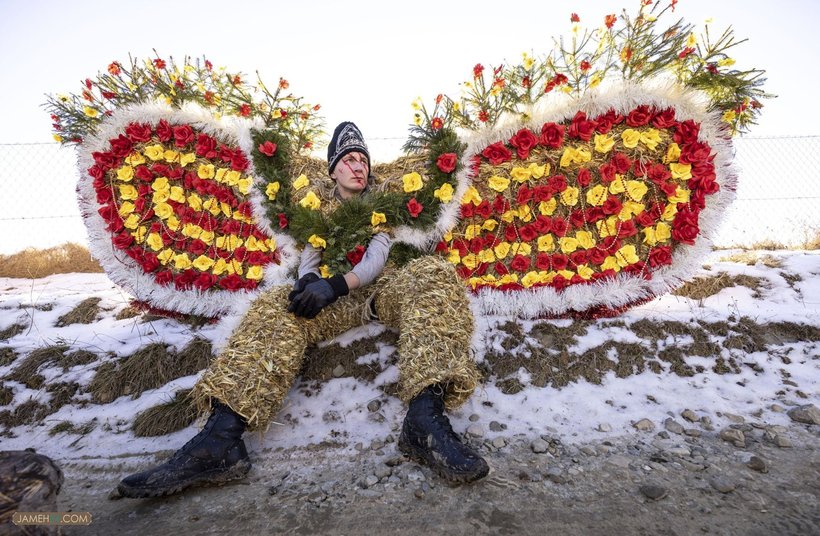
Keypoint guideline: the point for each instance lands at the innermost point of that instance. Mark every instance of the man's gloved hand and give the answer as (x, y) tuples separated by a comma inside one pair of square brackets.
[(317, 295), (300, 285)]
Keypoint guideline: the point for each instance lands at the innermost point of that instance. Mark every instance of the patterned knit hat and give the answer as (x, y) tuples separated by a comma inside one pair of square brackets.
[(346, 138)]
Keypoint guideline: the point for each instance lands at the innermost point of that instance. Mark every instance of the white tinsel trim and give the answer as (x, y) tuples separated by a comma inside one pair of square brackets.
[(624, 288), (125, 271)]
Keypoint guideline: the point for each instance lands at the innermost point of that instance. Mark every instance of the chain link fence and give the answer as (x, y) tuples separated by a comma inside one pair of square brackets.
[(776, 201)]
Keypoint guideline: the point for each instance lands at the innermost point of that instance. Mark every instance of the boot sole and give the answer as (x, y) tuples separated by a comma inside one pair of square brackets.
[(214, 477), (455, 477)]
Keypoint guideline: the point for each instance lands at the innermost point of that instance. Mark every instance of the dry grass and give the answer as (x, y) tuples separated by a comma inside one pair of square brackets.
[(7, 356), (320, 362), (166, 418), (12, 331), (68, 427), (27, 371), (84, 313), (6, 395), (703, 287), (35, 263), (751, 258)]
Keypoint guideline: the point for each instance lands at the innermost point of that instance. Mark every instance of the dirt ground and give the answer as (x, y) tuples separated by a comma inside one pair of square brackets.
[(657, 483)]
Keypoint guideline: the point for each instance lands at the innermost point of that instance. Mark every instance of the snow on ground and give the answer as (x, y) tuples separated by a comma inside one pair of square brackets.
[(337, 411)]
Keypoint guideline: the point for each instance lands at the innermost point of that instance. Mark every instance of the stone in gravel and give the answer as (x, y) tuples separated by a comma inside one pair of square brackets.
[(733, 436), (339, 371), (499, 442), (393, 462), (619, 461), (589, 451), (782, 441), (496, 426), (376, 444), (383, 471), (653, 491), (316, 497), (692, 432), (374, 406), (539, 446), (644, 425), (808, 414), (777, 408), (419, 493), (673, 426), (474, 417), (679, 451), (722, 484), (758, 464), (555, 474), (371, 480), (689, 415), (475, 430), (737, 419), (604, 427)]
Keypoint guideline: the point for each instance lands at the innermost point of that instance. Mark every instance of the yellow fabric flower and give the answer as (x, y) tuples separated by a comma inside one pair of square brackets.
[(412, 182), (472, 231), (271, 190), (663, 232), (203, 263), (57, 138), (546, 208), (636, 190), (681, 171), (191, 230), (567, 244), (575, 155), (377, 217), (252, 244), (165, 256), (125, 173), (232, 177), (212, 206), (187, 158), (244, 185), (324, 271), (128, 192), (521, 248), (607, 227), (610, 263), (669, 212), (629, 209), (630, 138), (486, 255), (181, 261), (673, 152), (471, 196), (255, 273), (597, 195), (585, 239), (585, 271), (530, 279), (207, 237), (501, 250), (160, 183), (317, 241), (134, 159), (126, 208), (569, 197), (444, 193), (205, 171), (140, 234), (627, 255), (546, 243), (155, 152), (649, 236), (524, 213), (173, 223), (170, 155), (499, 184), (220, 267), (311, 201), (177, 194), (301, 182), (454, 257), (618, 186), (90, 112), (651, 138), (520, 174), (194, 201), (537, 171), (219, 176), (470, 261), (681, 196), (163, 211), (729, 116), (489, 224), (604, 143)]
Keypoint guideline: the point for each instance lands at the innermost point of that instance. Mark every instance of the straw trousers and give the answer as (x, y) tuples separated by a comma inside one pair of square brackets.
[(424, 300)]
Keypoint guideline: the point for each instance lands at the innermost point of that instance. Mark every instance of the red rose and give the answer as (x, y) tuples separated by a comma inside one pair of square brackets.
[(205, 281), (581, 127), (231, 282), (510, 233), (660, 256), (559, 261), (104, 196), (138, 132), (621, 162), (594, 214), (164, 277), (579, 257), (552, 135), (685, 226), (597, 256), (442, 247), (543, 224), (658, 173), (607, 172), (143, 173), (245, 209), (183, 135), (476, 245), (557, 183), (542, 193), (240, 253), (484, 209), (123, 240), (500, 269), (490, 240), (481, 269), (560, 282), (175, 173), (695, 152), (355, 255), (268, 148), (542, 261), (524, 195), (96, 171), (645, 219), (611, 244), (197, 247), (461, 246), (606, 121), (500, 205), (627, 229), (664, 118), (584, 177), (612, 205), (164, 131), (668, 188), (205, 146), (150, 262), (185, 280), (414, 208), (497, 153), (520, 263), (467, 210), (639, 116), (139, 205), (698, 199), (105, 160), (577, 219), (463, 272), (559, 227), (239, 162), (523, 141), (528, 233), (446, 162), (686, 132)]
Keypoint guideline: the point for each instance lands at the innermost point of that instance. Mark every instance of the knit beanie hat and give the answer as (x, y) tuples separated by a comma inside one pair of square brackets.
[(346, 138)]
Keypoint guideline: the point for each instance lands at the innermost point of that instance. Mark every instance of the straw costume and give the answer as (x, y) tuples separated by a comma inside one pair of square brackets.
[(244, 387)]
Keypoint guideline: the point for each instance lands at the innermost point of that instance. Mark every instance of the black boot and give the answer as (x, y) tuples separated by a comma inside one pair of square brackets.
[(427, 437), (215, 455)]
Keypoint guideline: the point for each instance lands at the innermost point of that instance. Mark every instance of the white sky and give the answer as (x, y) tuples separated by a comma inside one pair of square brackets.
[(363, 61)]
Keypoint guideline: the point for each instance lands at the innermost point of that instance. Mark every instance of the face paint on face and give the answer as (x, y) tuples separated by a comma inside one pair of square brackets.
[(351, 174)]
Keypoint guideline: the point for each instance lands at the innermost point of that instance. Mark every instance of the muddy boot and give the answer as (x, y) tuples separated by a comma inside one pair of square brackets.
[(428, 438), (214, 456)]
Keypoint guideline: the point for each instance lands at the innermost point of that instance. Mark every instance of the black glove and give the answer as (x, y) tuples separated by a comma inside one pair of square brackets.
[(318, 295), (300, 285)]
